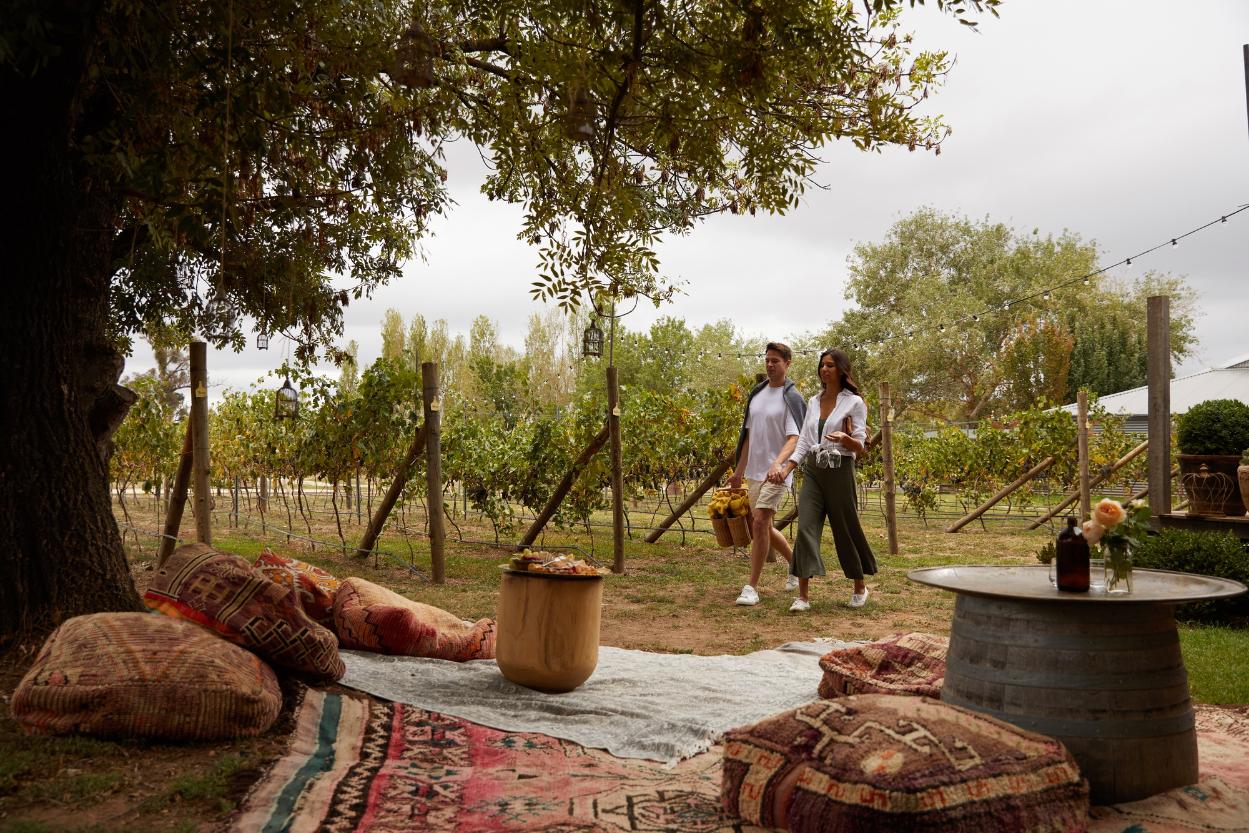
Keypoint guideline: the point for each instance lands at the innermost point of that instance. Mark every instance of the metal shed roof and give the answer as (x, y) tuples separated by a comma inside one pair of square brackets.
[(1228, 382)]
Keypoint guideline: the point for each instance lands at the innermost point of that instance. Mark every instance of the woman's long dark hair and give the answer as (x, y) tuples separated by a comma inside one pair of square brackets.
[(842, 362)]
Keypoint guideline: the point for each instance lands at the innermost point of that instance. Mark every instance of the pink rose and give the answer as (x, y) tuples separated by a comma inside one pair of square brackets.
[(1109, 513), (1093, 532)]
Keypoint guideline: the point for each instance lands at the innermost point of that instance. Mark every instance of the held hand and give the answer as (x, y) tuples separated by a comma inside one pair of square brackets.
[(735, 481), (776, 474), (836, 436)]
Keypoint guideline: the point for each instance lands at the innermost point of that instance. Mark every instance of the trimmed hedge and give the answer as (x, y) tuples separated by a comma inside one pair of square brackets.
[(1216, 426), (1204, 553)]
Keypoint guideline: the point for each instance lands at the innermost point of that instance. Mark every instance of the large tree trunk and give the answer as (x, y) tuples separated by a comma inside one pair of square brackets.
[(58, 372)]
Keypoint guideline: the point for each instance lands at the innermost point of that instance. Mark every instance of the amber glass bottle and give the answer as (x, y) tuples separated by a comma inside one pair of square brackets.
[(1073, 559)]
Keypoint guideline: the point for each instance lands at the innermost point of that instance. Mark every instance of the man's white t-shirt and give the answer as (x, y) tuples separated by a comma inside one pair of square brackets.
[(770, 423)]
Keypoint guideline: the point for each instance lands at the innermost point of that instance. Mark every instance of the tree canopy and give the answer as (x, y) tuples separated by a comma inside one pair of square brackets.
[(196, 164), (954, 313)]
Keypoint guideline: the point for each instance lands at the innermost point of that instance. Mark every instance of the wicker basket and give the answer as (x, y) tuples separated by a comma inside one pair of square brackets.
[(739, 528), (731, 532)]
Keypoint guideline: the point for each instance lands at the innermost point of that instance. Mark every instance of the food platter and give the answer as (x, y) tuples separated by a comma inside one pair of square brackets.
[(551, 565)]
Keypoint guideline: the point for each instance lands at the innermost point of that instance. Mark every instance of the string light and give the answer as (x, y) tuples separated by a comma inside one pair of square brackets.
[(1047, 292)]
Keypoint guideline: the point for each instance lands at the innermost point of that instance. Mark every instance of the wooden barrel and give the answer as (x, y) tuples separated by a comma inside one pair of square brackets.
[(1106, 680), (548, 629)]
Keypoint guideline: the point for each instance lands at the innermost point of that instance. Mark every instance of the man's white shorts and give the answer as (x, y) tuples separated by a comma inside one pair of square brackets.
[(765, 495)]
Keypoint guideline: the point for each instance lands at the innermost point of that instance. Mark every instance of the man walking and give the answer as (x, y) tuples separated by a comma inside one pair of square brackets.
[(774, 413)]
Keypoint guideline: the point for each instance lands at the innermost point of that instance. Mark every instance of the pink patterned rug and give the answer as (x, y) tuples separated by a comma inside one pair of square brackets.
[(364, 766)]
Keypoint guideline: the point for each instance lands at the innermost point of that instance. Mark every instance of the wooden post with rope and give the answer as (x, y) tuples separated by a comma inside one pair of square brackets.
[(404, 471), (177, 500), (433, 470), (1097, 481), (886, 445), (1082, 451), (564, 485), (984, 507), (617, 469), (200, 467)]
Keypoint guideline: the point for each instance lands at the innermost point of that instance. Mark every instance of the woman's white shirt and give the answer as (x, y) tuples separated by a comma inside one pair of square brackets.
[(848, 405)]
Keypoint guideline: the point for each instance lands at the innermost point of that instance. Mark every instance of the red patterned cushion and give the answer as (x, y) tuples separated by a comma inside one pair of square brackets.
[(870, 763), (139, 675), (223, 593), (316, 587), (376, 619), (907, 663)]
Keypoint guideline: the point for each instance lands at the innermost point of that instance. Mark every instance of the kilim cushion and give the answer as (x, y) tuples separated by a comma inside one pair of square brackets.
[(909, 663), (377, 619), (315, 586), (139, 675), (870, 763), (223, 593)]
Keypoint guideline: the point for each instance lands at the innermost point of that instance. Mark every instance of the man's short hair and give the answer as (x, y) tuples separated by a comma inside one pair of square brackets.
[(783, 349)]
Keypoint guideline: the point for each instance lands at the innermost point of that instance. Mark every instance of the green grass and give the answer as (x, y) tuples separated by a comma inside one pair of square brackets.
[(210, 788), (1215, 658)]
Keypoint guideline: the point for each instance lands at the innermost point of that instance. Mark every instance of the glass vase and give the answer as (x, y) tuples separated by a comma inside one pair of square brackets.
[(1118, 567)]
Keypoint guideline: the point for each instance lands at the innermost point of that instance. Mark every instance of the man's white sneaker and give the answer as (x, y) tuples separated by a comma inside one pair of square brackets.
[(859, 599), (799, 606), (749, 596), (791, 583)]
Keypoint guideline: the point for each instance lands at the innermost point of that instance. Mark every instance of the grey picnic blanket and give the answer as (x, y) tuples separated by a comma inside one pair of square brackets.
[(637, 704)]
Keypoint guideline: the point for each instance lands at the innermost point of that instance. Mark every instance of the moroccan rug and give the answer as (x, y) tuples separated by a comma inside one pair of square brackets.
[(637, 704), (357, 766)]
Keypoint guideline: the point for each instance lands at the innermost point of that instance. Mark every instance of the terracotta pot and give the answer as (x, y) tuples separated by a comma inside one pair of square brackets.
[(1242, 474), (1211, 483)]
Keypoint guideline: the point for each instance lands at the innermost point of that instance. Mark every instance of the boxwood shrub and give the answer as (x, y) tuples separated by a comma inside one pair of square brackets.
[(1216, 426), (1205, 553)]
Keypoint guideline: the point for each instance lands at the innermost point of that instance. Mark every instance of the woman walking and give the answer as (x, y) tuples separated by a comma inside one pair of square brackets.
[(833, 433)]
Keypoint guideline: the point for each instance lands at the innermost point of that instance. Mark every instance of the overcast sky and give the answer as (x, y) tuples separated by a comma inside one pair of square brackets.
[(1121, 120)]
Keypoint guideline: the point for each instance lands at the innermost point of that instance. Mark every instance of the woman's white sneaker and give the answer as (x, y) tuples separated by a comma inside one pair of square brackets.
[(791, 584), (859, 599), (800, 606), (749, 596)]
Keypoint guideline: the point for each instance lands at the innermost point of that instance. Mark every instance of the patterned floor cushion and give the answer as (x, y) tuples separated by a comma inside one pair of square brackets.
[(909, 663), (315, 586), (222, 592), (374, 618), (140, 675), (876, 762)]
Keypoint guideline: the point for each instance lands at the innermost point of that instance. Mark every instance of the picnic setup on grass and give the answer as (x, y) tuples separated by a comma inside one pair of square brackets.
[(1045, 710), (1058, 702)]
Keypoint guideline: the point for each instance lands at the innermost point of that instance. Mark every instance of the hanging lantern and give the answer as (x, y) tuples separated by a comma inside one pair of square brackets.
[(286, 403), (414, 58), (262, 340), (592, 341), (580, 117)]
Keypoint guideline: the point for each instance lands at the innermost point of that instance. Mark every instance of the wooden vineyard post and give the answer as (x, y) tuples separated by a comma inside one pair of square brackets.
[(262, 500), (1158, 370), (392, 494), (886, 447), (617, 470), (200, 467), (1093, 484), (561, 489), (177, 500), (433, 470), (690, 501), (1082, 451), (984, 507)]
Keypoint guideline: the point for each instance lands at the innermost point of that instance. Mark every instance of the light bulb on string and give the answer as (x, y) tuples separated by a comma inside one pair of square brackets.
[(1045, 295), (975, 318), (1174, 242)]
